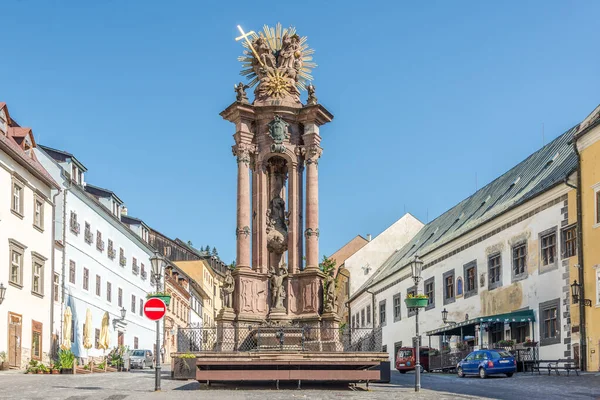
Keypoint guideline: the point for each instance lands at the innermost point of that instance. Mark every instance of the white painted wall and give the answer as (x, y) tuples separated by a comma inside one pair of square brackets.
[(374, 253), (536, 288), (21, 300), (86, 255)]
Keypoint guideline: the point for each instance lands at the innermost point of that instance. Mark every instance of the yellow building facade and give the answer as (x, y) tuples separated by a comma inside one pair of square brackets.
[(201, 272), (587, 141)]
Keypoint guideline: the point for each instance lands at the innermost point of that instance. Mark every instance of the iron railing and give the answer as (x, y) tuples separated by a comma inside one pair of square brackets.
[(261, 338)]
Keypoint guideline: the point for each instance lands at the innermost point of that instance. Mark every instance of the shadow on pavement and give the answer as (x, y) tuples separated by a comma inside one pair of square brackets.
[(269, 385)]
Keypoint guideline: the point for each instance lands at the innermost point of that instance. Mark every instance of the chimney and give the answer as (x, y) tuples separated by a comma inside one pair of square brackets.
[(368, 237), (123, 210)]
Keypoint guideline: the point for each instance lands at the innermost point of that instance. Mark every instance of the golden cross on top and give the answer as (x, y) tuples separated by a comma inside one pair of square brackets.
[(245, 36)]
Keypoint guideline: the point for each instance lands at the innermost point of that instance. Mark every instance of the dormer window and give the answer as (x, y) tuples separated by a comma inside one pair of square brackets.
[(115, 208)]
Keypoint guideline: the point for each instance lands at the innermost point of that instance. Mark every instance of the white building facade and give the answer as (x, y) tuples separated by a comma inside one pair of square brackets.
[(105, 266), (498, 263), (26, 246)]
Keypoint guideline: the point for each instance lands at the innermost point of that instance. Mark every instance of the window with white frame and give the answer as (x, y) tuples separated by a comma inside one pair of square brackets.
[(16, 263), (18, 193), (37, 276), (38, 212)]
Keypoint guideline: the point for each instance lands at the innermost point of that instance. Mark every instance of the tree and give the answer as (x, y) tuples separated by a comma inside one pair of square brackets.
[(232, 265), (327, 265), (215, 252), (207, 249)]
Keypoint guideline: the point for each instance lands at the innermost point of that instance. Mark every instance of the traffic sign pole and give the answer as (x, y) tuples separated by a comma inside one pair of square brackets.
[(155, 309)]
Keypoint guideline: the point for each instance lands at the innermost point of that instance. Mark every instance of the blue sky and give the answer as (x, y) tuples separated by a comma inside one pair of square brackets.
[(429, 97)]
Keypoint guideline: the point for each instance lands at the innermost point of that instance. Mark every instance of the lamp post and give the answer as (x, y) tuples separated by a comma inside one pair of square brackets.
[(416, 266), (2, 292), (123, 313), (157, 267)]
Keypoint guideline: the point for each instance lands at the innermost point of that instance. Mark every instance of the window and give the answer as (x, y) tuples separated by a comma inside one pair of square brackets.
[(519, 260), (38, 212), (141, 307), (72, 271), (569, 242), (98, 286), (354, 321), (369, 314), (135, 342), (519, 331), (548, 243), (56, 283), (429, 286), (16, 263), (37, 276), (16, 204), (397, 307), (133, 303), (88, 236), (122, 259), (134, 266), (36, 340), (120, 298), (598, 286), (470, 279), (550, 322), (111, 250), (382, 318), (86, 279), (96, 338), (459, 286), (74, 225), (362, 318), (109, 292), (497, 332), (597, 207), (448, 287), (143, 273), (99, 241), (494, 271)]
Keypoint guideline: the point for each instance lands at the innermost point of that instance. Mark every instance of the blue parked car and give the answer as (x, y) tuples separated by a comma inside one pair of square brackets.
[(487, 362)]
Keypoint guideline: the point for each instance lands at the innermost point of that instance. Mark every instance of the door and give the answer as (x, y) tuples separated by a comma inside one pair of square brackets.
[(120, 338), (468, 365), (15, 325)]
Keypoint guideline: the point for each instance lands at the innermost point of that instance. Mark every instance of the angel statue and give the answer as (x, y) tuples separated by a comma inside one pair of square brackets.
[(312, 99), (240, 93)]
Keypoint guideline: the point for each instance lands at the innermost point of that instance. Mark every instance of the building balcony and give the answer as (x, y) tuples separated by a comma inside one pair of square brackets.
[(75, 227), (89, 237), (122, 261), (135, 269), (100, 245), (111, 253), (144, 274)]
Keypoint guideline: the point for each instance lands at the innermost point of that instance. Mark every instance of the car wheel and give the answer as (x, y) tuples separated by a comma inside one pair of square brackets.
[(143, 364), (482, 373), (461, 373), (402, 372), (509, 374)]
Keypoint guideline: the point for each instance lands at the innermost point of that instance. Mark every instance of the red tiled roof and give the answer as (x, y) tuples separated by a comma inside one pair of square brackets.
[(30, 162)]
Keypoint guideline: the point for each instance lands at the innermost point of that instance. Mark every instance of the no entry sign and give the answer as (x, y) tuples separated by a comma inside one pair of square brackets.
[(155, 309)]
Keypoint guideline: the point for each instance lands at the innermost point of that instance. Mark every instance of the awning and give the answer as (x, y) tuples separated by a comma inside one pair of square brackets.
[(468, 327)]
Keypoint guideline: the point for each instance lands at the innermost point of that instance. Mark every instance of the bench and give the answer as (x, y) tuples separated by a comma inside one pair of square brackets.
[(564, 364)]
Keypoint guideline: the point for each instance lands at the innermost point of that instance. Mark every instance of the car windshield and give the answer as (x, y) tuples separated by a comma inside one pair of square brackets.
[(138, 353), (404, 353), (500, 354)]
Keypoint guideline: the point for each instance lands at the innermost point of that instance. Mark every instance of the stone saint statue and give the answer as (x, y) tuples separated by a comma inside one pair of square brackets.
[(228, 288), (240, 93), (277, 290), (312, 99), (330, 296)]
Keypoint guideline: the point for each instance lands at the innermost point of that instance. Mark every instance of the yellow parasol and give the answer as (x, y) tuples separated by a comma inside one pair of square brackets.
[(87, 330), (66, 342), (104, 341)]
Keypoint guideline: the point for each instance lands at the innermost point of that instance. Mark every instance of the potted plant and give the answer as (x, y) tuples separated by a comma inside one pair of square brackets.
[(66, 359), (461, 346), (3, 363), (416, 300), (529, 343), (54, 369), (506, 343), (164, 296), (32, 368)]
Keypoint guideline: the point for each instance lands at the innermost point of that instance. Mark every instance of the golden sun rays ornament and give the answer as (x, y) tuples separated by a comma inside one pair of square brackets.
[(278, 60)]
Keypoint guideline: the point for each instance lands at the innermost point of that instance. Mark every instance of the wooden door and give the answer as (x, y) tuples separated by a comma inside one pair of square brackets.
[(15, 325), (121, 338)]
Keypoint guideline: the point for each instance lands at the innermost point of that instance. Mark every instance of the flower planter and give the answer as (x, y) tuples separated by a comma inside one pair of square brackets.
[(67, 371), (55, 372), (165, 299), (184, 368), (416, 302), (530, 344)]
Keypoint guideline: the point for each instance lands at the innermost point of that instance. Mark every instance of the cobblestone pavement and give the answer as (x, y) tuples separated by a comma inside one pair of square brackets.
[(140, 385)]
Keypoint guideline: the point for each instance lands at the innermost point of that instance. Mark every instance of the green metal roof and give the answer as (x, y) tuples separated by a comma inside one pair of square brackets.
[(468, 326)]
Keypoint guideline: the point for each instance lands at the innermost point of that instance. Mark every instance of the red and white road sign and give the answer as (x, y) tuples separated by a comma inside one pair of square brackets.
[(155, 309)]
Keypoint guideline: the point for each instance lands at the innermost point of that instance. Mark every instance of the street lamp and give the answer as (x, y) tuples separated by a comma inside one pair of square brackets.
[(2, 292), (123, 313), (445, 315), (416, 266), (576, 294), (157, 263)]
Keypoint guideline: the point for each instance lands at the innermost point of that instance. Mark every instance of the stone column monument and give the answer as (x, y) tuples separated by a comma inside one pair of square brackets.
[(277, 149)]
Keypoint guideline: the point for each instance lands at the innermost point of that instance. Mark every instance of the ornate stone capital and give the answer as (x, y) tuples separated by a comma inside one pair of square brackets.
[(313, 153), (242, 231), (310, 232), (242, 151)]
